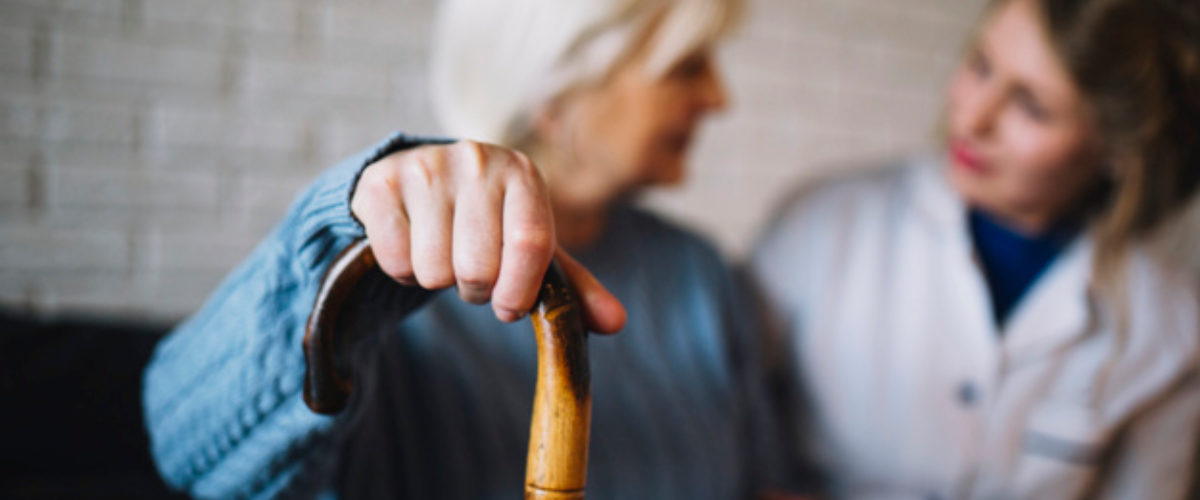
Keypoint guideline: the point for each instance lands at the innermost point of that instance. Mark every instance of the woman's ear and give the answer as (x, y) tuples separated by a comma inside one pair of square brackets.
[(548, 123), (554, 130)]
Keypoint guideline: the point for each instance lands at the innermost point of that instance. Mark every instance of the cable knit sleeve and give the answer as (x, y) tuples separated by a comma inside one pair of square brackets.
[(221, 394)]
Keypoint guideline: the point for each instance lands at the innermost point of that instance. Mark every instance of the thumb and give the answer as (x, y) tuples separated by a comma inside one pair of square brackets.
[(602, 312)]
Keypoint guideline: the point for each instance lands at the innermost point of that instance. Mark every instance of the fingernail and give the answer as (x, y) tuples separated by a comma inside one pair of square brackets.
[(509, 315), (474, 295)]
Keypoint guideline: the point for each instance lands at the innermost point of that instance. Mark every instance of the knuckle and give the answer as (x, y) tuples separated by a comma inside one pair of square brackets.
[(528, 175), (476, 157), (397, 269), (475, 273), (435, 279), (426, 169), (525, 164), (372, 173), (512, 301), (519, 157), (374, 179), (478, 160), (473, 151), (533, 239)]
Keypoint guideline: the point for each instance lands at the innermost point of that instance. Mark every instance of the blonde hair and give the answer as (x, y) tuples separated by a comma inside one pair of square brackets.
[(1137, 63), (495, 63)]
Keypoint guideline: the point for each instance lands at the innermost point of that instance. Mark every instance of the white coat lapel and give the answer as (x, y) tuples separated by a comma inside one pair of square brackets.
[(1056, 311)]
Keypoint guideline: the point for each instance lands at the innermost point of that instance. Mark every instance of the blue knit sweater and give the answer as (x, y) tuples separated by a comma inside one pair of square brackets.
[(443, 408)]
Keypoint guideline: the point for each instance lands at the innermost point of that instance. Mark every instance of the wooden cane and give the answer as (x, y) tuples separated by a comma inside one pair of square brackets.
[(556, 468)]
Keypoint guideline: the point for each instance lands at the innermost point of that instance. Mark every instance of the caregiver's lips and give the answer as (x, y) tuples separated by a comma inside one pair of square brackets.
[(966, 158)]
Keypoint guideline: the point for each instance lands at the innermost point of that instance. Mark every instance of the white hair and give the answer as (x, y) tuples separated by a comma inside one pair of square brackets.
[(496, 62)]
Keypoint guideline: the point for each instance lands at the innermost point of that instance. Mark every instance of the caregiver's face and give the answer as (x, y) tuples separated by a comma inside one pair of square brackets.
[(1022, 139)]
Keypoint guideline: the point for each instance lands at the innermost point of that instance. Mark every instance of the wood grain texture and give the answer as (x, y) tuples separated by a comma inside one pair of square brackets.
[(559, 430), (556, 467)]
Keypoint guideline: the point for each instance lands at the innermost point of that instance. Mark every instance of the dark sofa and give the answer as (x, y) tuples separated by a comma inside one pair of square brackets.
[(70, 418)]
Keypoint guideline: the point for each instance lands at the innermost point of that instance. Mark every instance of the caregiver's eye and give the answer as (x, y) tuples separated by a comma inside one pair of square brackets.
[(979, 64), (1031, 106), (690, 67)]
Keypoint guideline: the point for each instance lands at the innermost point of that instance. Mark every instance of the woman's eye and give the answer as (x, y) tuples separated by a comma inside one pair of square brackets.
[(1032, 108), (979, 64)]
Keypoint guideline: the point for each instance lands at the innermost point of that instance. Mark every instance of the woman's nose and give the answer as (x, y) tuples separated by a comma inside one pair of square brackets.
[(981, 110), (711, 91)]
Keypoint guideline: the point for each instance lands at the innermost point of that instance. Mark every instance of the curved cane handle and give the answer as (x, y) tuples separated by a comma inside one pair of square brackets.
[(558, 439)]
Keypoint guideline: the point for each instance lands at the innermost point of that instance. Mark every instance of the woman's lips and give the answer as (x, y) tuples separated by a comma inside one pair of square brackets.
[(966, 158)]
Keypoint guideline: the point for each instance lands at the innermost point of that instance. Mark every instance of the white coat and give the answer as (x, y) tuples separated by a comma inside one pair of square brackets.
[(913, 392)]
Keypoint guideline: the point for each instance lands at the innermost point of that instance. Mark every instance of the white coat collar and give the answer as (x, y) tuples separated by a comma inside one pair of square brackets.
[(936, 200), (1055, 312)]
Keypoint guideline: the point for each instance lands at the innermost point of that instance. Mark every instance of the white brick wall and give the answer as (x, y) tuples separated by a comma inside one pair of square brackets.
[(146, 145)]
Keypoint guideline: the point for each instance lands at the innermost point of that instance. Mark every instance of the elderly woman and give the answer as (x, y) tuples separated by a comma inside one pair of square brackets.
[(604, 96)]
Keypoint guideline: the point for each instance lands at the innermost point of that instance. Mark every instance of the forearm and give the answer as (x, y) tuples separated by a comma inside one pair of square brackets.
[(222, 392)]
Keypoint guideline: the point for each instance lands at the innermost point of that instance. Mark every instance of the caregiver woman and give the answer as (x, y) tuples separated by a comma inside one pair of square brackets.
[(605, 97), (994, 321)]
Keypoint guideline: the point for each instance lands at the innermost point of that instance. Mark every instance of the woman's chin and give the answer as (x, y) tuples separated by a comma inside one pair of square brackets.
[(671, 170), (670, 177)]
